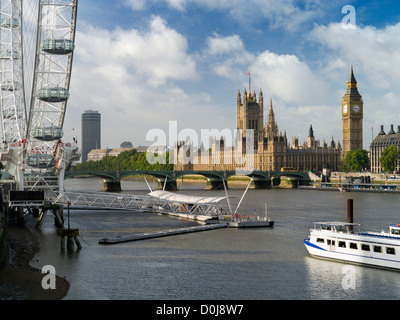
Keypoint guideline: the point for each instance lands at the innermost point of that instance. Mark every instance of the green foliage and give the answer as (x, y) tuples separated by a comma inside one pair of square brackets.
[(129, 160), (389, 158), (356, 160)]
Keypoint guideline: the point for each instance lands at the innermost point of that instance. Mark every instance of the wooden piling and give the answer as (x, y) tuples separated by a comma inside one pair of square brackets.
[(350, 210), (71, 235)]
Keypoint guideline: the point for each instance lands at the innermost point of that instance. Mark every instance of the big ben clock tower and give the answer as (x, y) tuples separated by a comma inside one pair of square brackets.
[(352, 117)]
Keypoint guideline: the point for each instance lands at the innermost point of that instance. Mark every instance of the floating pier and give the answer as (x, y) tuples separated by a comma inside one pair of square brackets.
[(162, 233)]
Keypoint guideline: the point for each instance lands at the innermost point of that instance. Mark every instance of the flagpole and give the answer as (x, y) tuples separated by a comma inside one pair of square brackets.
[(249, 81)]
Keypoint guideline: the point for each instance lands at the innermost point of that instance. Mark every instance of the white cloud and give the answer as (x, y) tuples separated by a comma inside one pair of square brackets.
[(136, 4), (222, 45), (226, 56), (374, 54), (123, 73), (284, 77), (157, 54), (288, 78), (374, 51)]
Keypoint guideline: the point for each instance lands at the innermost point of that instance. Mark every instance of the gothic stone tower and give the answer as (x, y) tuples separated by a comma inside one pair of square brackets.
[(250, 115), (352, 117)]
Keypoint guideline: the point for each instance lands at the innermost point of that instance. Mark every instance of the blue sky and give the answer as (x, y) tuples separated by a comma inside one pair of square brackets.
[(143, 63)]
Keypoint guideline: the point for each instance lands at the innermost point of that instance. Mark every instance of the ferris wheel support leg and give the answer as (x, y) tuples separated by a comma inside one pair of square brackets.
[(61, 180), (20, 179)]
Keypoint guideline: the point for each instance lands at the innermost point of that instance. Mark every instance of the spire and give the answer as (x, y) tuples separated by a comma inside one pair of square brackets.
[(271, 115), (352, 78), (311, 132), (352, 84), (271, 127)]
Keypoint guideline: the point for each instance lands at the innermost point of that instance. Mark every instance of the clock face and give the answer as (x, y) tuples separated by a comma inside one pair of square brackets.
[(356, 108), (345, 108)]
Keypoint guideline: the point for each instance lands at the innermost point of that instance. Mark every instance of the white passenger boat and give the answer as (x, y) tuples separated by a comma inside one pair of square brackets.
[(343, 241)]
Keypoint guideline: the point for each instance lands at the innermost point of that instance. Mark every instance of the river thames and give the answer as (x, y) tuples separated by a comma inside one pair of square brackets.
[(234, 264)]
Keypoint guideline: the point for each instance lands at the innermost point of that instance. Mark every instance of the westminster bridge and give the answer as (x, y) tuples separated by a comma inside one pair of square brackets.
[(215, 179)]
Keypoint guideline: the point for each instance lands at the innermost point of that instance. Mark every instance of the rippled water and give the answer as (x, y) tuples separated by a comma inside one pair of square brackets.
[(239, 264)]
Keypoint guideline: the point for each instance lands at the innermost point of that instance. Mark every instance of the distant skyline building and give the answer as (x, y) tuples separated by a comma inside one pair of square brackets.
[(91, 132)]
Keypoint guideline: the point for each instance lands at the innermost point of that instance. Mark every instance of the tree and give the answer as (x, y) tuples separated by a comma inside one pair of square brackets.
[(356, 160), (389, 158), (128, 160)]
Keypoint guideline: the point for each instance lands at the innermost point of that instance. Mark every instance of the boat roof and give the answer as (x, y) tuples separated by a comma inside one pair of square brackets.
[(337, 223), (171, 196)]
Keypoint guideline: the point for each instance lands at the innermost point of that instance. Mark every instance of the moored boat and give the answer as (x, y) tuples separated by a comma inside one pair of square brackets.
[(343, 241), (339, 241)]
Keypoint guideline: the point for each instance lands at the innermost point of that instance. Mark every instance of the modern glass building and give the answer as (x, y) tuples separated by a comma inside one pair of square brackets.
[(91, 132)]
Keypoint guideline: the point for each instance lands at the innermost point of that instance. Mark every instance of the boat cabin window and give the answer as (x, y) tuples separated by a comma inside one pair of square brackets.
[(390, 250), (342, 244), (325, 227), (377, 249), (365, 247), (341, 228), (394, 231), (353, 245), (320, 240)]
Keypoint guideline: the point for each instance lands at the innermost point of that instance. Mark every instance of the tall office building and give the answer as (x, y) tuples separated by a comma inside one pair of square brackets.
[(91, 132)]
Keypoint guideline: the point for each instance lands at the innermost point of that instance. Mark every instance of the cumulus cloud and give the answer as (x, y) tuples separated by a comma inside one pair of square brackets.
[(375, 51), (284, 77), (288, 78), (158, 54), (227, 56), (374, 54), (123, 72)]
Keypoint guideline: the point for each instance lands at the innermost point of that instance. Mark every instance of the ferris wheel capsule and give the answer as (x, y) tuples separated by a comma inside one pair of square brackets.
[(47, 133), (40, 161), (56, 94), (9, 22), (11, 86), (58, 46), (8, 54)]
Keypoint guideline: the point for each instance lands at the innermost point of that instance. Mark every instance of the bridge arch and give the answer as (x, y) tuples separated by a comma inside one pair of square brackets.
[(295, 178), (215, 179)]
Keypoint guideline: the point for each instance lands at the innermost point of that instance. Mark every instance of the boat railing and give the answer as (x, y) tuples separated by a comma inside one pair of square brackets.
[(241, 218)]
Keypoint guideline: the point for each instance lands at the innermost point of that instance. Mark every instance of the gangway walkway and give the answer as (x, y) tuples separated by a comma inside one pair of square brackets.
[(139, 203)]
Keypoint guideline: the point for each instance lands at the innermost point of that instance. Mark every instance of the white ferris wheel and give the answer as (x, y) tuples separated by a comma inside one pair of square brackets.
[(37, 42)]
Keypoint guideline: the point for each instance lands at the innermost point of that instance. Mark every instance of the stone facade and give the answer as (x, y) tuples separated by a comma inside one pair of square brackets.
[(381, 142)]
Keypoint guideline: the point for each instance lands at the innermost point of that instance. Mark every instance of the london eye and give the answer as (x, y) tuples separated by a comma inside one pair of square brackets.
[(37, 42)]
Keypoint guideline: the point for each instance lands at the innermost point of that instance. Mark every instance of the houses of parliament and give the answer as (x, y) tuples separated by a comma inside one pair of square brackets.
[(272, 149)]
